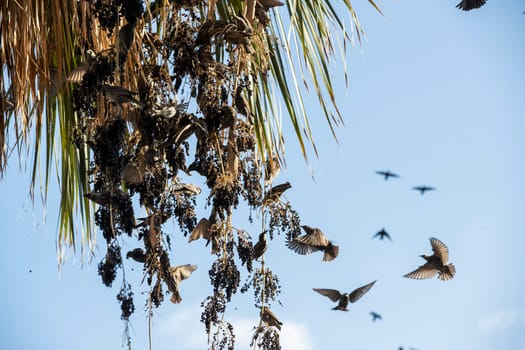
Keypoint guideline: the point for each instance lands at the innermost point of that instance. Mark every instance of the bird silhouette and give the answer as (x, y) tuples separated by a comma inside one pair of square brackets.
[(382, 234), (436, 264), (312, 241), (343, 299), (137, 254), (275, 193), (375, 316), (268, 317), (423, 189), (467, 5), (260, 247), (118, 95), (387, 174)]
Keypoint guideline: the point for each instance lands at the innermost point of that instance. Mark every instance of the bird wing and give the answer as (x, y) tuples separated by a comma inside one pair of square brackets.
[(315, 238), (422, 272), (359, 292), (333, 294), (418, 188), (440, 249), (467, 5), (300, 248)]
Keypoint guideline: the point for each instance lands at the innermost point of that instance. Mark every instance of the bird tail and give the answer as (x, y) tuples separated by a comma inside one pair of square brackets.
[(448, 272)]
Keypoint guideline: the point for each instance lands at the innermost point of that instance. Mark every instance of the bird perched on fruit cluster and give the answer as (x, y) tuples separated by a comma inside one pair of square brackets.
[(436, 264), (313, 241), (345, 298)]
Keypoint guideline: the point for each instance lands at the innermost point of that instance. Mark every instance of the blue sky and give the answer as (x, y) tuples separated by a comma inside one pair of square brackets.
[(436, 95)]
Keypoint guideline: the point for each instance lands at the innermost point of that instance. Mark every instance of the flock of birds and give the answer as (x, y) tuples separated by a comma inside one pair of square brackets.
[(435, 264)]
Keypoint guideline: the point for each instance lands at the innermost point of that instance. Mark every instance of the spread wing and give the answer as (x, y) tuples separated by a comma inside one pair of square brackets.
[(359, 292), (422, 272), (300, 248), (333, 294), (440, 249), (315, 238)]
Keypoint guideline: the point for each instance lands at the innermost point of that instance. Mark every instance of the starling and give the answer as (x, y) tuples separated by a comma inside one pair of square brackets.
[(118, 95), (275, 193), (467, 5), (133, 174), (188, 189), (375, 316), (344, 299), (202, 230), (107, 198), (137, 254), (268, 317), (423, 189), (313, 241), (260, 247), (126, 34), (387, 174), (271, 169), (382, 234), (436, 264), (77, 74), (179, 274), (241, 103), (164, 216), (268, 4)]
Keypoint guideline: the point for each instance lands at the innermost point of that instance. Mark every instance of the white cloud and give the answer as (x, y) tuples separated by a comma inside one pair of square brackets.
[(498, 319), (183, 327), (294, 336)]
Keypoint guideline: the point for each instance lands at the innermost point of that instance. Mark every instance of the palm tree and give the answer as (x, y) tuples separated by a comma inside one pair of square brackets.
[(133, 95)]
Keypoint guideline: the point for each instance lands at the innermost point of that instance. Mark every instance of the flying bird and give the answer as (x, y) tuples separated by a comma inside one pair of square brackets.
[(275, 193), (344, 299), (436, 264), (423, 189), (312, 241), (202, 230), (260, 247), (177, 275), (375, 316), (387, 174), (382, 234), (467, 5), (77, 74)]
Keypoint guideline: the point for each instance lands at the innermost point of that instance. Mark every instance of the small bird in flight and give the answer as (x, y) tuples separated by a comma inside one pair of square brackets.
[(386, 174), (467, 5), (313, 241), (423, 189), (436, 264), (345, 298), (275, 193), (382, 234), (375, 316)]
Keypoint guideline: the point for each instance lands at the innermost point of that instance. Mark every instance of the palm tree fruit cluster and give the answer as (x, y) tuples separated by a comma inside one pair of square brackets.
[(158, 107)]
